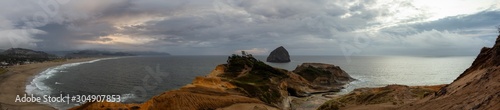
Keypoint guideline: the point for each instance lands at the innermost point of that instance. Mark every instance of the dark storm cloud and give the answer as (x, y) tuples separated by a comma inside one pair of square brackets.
[(463, 23), (261, 22), (454, 35), (224, 26), (477, 20), (63, 37)]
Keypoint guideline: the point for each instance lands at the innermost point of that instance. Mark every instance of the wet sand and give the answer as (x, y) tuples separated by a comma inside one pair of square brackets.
[(13, 83)]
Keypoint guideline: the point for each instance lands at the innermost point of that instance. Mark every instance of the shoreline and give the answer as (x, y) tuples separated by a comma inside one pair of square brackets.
[(13, 83)]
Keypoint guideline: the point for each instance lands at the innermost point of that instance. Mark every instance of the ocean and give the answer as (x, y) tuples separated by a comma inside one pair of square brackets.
[(137, 79)]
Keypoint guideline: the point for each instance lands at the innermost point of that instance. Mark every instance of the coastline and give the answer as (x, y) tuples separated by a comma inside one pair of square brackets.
[(13, 83), (242, 82), (32, 70)]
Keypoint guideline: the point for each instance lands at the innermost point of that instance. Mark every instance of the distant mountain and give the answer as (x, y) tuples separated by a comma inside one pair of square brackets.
[(22, 56), (148, 53), (142, 53), (1, 50), (26, 53), (95, 53), (61, 53)]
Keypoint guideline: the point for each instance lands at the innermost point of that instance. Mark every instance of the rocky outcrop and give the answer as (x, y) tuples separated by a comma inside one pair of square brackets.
[(244, 82), (279, 55), (323, 74)]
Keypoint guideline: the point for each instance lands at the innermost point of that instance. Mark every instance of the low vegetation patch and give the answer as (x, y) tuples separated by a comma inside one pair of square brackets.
[(255, 78), (59, 60), (393, 94), (263, 92), (310, 73), (3, 70)]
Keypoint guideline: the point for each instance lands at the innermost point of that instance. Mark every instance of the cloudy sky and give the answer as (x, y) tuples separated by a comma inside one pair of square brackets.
[(222, 27)]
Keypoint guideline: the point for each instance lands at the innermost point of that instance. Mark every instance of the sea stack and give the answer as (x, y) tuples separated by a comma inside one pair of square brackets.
[(279, 55)]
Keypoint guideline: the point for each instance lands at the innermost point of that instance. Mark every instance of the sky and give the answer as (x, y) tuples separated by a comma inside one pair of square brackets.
[(222, 27)]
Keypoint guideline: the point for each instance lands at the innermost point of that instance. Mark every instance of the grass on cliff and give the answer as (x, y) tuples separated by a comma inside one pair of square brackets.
[(3, 70), (193, 98), (59, 60), (395, 94), (263, 92), (257, 84), (259, 71), (310, 73), (255, 78), (364, 98)]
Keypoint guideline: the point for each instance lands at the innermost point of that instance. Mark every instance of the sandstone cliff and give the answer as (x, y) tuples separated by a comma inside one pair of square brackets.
[(244, 82), (477, 88), (384, 98), (279, 55)]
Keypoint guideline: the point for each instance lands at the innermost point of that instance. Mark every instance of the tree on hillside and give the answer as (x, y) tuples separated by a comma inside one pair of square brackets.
[(498, 28)]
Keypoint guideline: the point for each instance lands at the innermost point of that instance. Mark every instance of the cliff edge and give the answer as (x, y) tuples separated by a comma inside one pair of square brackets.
[(244, 82), (478, 88)]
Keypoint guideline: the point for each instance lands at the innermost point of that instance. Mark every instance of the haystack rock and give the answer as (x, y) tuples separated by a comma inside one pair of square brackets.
[(279, 55)]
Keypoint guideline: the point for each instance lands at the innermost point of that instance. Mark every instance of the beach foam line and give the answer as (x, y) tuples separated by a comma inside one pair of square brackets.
[(37, 86), (126, 97)]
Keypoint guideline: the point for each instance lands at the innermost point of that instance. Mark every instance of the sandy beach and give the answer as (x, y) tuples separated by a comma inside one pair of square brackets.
[(14, 82)]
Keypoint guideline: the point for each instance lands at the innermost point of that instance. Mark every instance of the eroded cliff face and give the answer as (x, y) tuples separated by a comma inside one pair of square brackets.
[(477, 88), (382, 98), (244, 82)]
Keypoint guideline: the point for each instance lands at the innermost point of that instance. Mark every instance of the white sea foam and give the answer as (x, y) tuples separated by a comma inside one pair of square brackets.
[(58, 83), (125, 97), (39, 88)]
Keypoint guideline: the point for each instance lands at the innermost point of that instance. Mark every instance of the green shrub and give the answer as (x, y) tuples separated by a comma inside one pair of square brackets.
[(330, 105), (3, 70), (255, 82), (311, 73)]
